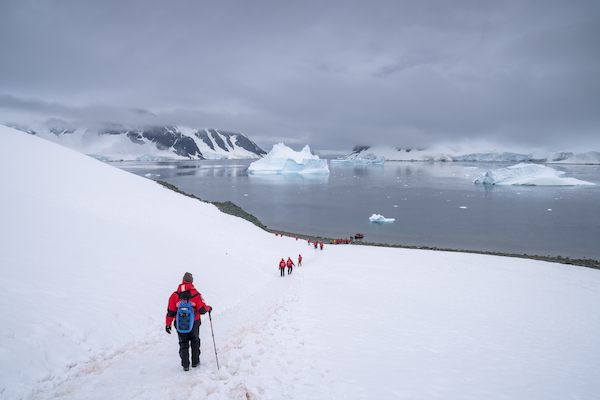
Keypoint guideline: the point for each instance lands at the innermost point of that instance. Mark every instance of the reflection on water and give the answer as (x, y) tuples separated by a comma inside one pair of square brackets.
[(434, 204)]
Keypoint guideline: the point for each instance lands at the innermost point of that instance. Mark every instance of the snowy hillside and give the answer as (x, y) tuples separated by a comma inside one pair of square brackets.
[(472, 153), (89, 255), (152, 143)]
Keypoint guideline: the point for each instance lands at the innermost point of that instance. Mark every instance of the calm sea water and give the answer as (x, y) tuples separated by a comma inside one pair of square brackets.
[(434, 204)]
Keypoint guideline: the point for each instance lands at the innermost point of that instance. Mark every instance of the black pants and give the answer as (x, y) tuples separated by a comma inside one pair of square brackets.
[(282, 271), (290, 270), (185, 340)]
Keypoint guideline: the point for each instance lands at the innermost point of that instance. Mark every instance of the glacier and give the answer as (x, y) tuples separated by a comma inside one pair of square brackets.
[(528, 175), (282, 159), (472, 153)]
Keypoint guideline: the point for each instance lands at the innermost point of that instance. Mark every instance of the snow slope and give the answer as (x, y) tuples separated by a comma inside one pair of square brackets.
[(92, 253)]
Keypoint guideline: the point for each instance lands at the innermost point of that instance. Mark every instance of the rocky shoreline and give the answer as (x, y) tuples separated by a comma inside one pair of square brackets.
[(232, 209)]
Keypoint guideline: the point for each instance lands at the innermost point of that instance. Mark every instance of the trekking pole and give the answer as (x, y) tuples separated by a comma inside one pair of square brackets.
[(213, 335)]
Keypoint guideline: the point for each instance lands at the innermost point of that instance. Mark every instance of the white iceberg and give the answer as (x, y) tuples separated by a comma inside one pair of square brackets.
[(359, 162), (282, 159), (528, 175), (380, 218)]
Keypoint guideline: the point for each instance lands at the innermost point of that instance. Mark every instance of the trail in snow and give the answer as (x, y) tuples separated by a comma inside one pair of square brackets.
[(259, 346)]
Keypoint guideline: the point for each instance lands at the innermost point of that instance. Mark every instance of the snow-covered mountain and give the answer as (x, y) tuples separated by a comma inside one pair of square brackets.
[(462, 153), (153, 143)]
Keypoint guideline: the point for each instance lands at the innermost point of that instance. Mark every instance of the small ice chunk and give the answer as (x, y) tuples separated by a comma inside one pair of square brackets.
[(380, 218)]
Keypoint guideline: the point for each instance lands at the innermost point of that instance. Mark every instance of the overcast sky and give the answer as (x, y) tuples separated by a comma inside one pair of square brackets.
[(331, 74)]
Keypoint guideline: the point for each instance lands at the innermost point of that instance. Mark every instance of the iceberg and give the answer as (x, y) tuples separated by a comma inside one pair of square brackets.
[(282, 159), (380, 218), (528, 175), (359, 162)]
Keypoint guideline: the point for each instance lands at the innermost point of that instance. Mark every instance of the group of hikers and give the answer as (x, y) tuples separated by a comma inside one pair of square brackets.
[(289, 264), (186, 295), (316, 243), (340, 241)]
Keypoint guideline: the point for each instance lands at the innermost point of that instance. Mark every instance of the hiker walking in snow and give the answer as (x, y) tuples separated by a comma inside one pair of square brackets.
[(290, 265), (282, 267), (299, 260), (321, 244), (186, 292)]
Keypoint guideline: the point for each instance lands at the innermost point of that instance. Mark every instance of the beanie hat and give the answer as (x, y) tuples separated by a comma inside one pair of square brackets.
[(188, 277)]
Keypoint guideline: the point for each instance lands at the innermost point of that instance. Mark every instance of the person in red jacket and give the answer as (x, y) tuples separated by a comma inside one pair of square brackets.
[(299, 260), (282, 267), (290, 265), (186, 290)]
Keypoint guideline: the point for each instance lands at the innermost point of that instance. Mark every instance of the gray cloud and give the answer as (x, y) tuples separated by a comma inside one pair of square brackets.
[(331, 74)]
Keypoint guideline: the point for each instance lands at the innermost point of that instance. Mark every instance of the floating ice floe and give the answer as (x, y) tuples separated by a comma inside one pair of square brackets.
[(528, 175), (151, 175), (282, 159), (360, 162), (380, 218)]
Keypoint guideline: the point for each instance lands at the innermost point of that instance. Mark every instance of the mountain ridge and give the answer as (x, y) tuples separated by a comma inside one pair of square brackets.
[(152, 143)]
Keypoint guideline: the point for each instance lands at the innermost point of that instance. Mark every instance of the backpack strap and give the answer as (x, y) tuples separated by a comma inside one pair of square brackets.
[(186, 295)]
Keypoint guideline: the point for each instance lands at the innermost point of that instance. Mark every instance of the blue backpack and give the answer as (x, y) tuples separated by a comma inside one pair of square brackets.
[(185, 316)]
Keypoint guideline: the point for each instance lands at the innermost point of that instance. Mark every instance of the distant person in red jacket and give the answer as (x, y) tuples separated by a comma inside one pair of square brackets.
[(282, 267), (290, 265), (186, 290), (321, 244), (299, 260), (309, 242)]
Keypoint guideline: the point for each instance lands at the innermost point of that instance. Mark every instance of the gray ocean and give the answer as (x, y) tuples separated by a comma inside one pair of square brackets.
[(433, 204)]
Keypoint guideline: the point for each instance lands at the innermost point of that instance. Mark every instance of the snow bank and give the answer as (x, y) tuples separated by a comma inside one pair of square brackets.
[(380, 218), (528, 175), (282, 159)]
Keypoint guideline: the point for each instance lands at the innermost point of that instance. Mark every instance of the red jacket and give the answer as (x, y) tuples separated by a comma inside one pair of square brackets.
[(290, 262), (282, 263), (186, 289)]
